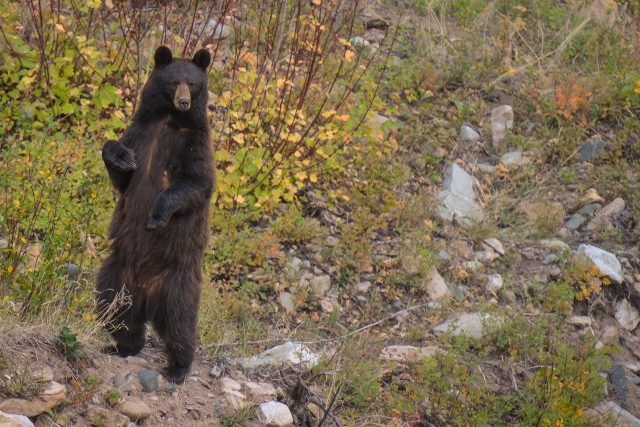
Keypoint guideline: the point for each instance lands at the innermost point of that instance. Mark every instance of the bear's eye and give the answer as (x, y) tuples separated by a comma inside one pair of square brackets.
[(191, 84), (174, 84)]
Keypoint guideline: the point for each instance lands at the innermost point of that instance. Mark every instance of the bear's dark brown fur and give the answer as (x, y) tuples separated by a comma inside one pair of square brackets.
[(163, 168)]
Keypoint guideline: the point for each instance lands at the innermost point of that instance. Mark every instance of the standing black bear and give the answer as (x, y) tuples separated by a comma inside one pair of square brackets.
[(163, 168)]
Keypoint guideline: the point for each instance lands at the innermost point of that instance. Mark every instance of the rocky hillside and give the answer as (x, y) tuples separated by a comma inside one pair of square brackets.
[(471, 260)]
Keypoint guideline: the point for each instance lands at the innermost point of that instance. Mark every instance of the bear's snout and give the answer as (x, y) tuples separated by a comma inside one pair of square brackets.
[(182, 97)]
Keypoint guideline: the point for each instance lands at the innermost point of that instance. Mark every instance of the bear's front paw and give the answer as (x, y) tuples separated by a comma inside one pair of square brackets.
[(119, 156), (155, 222)]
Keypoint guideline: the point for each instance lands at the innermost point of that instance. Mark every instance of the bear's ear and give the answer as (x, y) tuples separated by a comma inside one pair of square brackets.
[(162, 56), (202, 58)]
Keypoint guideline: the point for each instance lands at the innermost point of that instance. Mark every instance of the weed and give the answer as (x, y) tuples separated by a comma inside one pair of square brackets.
[(69, 345), (293, 227), (112, 397), (21, 385)]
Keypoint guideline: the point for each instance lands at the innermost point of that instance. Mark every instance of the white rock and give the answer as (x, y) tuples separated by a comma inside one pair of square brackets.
[(53, 395), (485, 256), (501, 122), (514, 159), (627, 315), (231, 390), (289, 352), (436, 287), (486, 168), (11, 420), (580, 321), (44, 375), (363, 287), (320, 284), (259, 392), (274, 414), (468, 134), (135, 409), (592, 196), (287, 302), (408, 353), (327, 305), (555, 245), (470, 324), (616, 206), (604, 261), (494, 283), (494, 244), (458, 197), (606, 411)]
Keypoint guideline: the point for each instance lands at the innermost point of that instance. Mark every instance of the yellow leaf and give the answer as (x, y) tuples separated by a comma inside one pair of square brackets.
[(328, 113), (10, 268), (313, 177), (348, 55), (343, 118), (109, 4), (301, 176), (60, 28), (316, 2)]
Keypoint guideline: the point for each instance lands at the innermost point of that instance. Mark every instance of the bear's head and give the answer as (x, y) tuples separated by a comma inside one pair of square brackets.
[(178, 84)]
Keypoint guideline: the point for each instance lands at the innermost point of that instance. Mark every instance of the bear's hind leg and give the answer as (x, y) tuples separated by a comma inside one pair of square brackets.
[(173, 310), (125, 323)]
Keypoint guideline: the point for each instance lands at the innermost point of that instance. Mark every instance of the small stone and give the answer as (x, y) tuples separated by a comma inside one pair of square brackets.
[(604, 261), (606, 411), (618, 381), (123, 382), (469, 135), (514, 159), (485, 256), (501, 122), (494, 283), (436, 287), (374, 35), (627, 315), (408, 354), (287, 302), (550, 259), (11, 420), (494, 244), (575, 221), (72, 271), (289, 352), (169, 387), (555, 245), (363, 287), (327, 305), (615, 207), (486, 168), (458, 197), (103, 417), (580, 321), (148, 380), (260, 392), (275, 414), (135, 409), (470, 324), (358, 41), (231, 389), (591, 148), (4, 243), (589, 209), (592, 196), (216, 30), (44, 375), (216, 371), (53, 395), (320, 284)]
